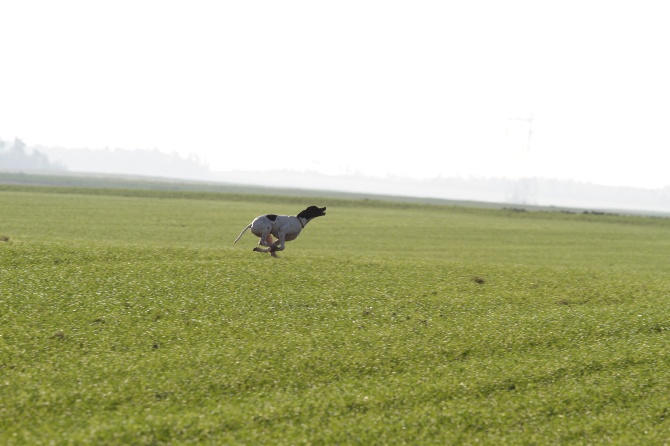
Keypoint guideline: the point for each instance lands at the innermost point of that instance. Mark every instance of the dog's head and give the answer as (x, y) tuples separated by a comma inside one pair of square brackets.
[(312, 212)]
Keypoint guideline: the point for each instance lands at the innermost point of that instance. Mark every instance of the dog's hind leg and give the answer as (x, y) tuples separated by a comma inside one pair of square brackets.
[(266, 240), (271, 250)]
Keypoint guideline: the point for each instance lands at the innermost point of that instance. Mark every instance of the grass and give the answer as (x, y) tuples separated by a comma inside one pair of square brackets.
[(128, 317)]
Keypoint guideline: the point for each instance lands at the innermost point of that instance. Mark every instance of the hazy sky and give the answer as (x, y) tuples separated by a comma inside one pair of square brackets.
[(415, 88)]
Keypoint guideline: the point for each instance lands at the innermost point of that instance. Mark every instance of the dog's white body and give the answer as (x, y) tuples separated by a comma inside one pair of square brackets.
[(284, 227)]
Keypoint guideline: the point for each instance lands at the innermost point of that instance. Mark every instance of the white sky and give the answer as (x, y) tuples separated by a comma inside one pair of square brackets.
[(415, 88)]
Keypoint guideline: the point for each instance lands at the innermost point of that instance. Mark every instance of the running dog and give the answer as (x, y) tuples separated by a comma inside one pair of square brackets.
[(284, 227)]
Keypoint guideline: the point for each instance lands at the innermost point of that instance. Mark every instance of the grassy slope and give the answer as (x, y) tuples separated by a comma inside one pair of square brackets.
[(130, 317)]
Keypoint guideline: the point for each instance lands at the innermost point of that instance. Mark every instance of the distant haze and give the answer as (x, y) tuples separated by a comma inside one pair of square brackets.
[(574, 90), (16, 156)]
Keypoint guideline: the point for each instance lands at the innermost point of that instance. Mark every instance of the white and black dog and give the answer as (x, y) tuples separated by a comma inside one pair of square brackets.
[(284, 227)]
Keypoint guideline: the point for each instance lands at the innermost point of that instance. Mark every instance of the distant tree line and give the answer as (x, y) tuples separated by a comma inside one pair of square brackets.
[(129, 162), (17, 156)]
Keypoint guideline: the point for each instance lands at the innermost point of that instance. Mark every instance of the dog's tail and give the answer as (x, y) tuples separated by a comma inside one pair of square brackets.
[(241, 233)]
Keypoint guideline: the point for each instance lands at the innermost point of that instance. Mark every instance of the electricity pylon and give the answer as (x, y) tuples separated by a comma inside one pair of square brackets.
[(526, 189)]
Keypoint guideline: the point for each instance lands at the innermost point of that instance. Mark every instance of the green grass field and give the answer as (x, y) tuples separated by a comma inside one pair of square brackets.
[(129, 317)]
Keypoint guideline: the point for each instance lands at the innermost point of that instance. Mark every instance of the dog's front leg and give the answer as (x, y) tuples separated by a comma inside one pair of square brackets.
[(279, 245)]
